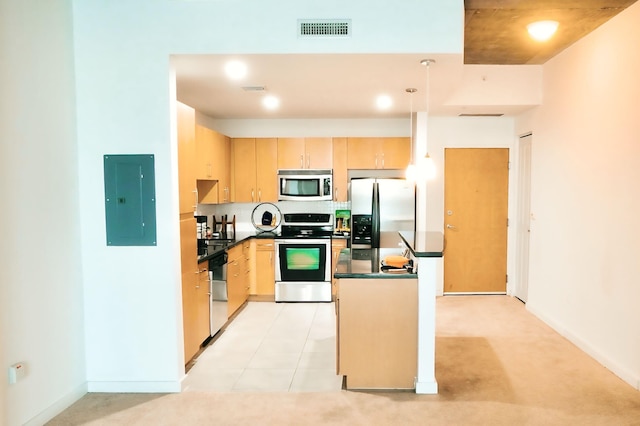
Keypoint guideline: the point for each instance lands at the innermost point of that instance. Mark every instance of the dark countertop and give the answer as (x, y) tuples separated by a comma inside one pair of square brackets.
[(366, 263), (217, 246), (424, 244)]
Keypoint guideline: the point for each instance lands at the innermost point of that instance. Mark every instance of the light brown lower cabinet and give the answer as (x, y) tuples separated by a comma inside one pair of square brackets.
[(377, 332), (238, 276), (337, 244), (265, 267)]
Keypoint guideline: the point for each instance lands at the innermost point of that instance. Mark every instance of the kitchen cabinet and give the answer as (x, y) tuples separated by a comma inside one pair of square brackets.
[(264, 267), (189, 264), (305, 153), (238, 276), (337, 244), (212, 166), (377, 329), (340, 183), (202, 296), (186, 125), (378, 153), (254, 170)]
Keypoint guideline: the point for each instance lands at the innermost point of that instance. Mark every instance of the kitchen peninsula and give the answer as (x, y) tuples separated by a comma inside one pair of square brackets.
[(386, 319)]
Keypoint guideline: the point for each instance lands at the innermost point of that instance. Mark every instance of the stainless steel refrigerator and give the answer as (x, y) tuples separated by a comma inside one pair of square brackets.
[(382, 203)]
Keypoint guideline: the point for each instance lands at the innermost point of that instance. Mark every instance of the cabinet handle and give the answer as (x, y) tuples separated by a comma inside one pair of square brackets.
[(376, 161), (301, 161), (195, 193), (259, 195), (252, 195), (335, 194), (382, 160), (209, 171), (308, 161)]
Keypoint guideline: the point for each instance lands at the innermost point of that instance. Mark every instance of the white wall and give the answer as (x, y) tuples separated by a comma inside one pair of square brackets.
[(41, 306), (585, 236), (122, 50)]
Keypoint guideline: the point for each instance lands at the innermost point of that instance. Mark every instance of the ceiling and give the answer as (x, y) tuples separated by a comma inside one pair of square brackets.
[(345, 85)]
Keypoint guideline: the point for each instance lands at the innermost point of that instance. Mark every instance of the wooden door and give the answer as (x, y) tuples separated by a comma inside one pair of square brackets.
[(475, 203), (244, 170), (318, 153), (267, 169), (291, 153), (221, 165), (204, 152)]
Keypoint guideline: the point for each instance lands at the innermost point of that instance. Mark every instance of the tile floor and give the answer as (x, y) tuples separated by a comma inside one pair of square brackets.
[(271, 347)]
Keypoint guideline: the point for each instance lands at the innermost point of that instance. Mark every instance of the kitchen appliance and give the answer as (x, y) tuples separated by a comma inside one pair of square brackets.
[(305, 185), (218, 299), (382, 203), (303, 258)]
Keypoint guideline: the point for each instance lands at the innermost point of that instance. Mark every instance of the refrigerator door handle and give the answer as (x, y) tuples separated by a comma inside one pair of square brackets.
[(375, 216)]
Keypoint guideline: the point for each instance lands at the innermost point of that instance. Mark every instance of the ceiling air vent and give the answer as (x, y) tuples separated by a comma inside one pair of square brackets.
[(324, 28)]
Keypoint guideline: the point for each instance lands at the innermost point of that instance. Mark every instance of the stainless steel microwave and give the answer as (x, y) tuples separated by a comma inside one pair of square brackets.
[(305, 185)]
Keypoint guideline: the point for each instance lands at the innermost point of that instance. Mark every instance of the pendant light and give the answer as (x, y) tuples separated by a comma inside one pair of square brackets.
[(428, 167), (411, 173)]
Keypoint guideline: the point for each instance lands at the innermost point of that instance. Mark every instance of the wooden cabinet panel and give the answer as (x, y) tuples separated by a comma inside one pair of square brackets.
[(318, 153), (305, 153), (340, 183), (186, 125), (291, 153), (267, 169), (337, 244), (202, 296), (254, 170), (264, 267), (189, 264), (222, 166), (378, 153), (374, 352), (204, 153), (244, 170), (238, 276)]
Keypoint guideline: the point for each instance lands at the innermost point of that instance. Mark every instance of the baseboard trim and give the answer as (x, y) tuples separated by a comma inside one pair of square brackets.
[(59, 406), (134, 387), (427, 388), (620, 371)]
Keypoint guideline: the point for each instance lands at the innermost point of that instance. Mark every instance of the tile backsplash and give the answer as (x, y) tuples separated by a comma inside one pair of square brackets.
[(243, 211)]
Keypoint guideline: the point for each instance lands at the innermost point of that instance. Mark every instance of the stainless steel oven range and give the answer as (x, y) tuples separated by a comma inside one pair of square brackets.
[(303, 258)]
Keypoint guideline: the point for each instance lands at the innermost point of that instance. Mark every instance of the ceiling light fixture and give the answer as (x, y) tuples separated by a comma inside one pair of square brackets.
[(428, 169), (542, 30), (384, 102), (271, 102), (235, 70), (411, 172)]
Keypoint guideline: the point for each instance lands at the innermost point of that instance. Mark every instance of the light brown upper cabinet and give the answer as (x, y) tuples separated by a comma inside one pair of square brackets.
[(340, 169), (378, 153), (254, 170), (305, 153), (186, 118), (213, 156)]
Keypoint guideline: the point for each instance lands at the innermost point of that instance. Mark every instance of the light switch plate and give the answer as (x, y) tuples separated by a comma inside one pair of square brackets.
[(16, 372)]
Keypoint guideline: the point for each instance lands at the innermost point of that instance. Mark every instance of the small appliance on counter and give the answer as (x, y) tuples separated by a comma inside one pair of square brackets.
[(343, 223)]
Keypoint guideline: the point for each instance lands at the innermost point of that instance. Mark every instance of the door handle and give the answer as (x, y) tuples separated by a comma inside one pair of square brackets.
[(451, 226)]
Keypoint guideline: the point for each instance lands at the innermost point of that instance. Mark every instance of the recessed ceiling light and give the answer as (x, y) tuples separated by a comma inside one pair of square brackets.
[(542, 30), (270, 102), (235, 70), (384, 102)]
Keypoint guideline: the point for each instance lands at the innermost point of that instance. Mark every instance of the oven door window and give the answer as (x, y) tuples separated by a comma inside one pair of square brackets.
[(302, 262)]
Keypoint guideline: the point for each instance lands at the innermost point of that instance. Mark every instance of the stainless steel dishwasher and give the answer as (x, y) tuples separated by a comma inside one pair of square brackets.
[(218, 292)]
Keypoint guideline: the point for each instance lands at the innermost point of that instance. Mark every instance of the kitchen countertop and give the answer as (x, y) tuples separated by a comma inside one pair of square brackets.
[(220, 245), (424, 244), (366, 263)]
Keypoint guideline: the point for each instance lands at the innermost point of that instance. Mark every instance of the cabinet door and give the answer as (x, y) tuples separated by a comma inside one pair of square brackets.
[(204, 153), (264, 265), (318, 153), (244, 170), (267, 169), (337, 244), (186, 121), (291, 153), (235, 276), (202, 294), (189, 264), (222, 166), (396, 153), (340, 169), (362, 153)]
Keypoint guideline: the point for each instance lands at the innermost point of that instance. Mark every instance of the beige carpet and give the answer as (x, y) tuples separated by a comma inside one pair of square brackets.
[(496, 364)]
